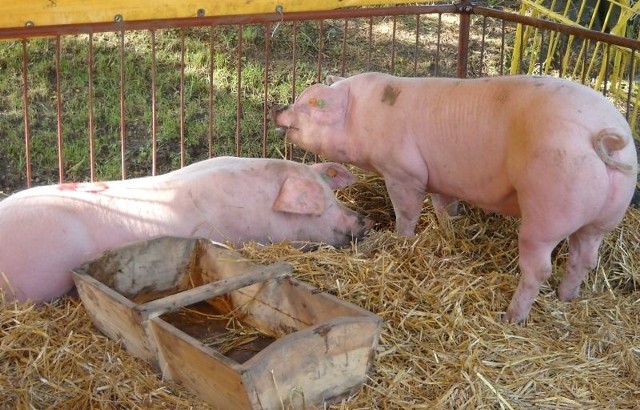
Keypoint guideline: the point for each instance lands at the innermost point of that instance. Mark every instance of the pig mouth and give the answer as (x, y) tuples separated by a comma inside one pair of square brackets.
[(284, 130)]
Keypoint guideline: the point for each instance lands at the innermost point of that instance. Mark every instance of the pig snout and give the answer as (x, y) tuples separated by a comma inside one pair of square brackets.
[(359, 229), (276, 110)]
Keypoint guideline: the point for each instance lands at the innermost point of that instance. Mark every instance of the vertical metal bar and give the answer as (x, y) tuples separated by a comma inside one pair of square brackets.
[(438, 45), (540, 62), (393, 46), (265, 108), (344, 47), (606, 72), (123, 131), (59, 113), (25, 108), (320, 50), (583, 75), (415, 51), (370, 44), (463, 41), (482, 43), (182, 143), (502, 48), (521, 53), (211, 71), (154, 108), (92, 139), (294, 61), (239, 90), (631, 75)]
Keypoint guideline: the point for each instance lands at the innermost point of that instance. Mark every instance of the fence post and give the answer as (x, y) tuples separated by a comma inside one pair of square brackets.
[(464, 8)]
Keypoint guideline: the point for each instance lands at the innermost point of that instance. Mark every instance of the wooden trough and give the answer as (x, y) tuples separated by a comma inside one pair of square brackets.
[(286, 344)]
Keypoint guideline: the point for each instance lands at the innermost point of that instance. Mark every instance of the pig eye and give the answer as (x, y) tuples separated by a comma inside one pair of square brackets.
[(316, 102)]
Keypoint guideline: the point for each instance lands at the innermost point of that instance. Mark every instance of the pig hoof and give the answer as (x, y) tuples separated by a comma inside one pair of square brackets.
[(567, 295), (511, 317)]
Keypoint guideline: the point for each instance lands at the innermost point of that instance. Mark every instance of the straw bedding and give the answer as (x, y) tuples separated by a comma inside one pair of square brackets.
[(440, 293)]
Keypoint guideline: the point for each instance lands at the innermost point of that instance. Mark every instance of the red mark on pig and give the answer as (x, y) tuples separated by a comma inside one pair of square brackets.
[(90, 187)]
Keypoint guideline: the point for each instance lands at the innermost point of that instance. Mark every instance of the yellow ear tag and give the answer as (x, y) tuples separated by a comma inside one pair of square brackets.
[(316, 102), (331, 172)]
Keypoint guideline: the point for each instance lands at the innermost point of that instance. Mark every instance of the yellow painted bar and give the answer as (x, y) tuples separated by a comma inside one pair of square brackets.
[(15, 13)]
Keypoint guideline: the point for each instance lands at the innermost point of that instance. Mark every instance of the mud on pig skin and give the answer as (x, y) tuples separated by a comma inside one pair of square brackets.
[(554, 153), (47, 231)]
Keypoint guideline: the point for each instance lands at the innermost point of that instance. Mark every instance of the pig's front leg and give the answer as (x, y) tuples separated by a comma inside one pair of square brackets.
[(406, 197)]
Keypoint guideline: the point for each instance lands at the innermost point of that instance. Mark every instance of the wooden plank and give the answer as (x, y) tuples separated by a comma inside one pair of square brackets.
[(317, 365), (278, 308), (207, 373), (221, 287), (54, 12), (114, 315)]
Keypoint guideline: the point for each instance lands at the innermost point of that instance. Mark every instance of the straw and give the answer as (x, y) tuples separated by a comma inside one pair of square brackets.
[(441, 294)]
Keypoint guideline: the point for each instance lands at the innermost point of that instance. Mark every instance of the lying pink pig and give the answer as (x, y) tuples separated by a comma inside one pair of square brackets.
[(47, 231), (555, 153)]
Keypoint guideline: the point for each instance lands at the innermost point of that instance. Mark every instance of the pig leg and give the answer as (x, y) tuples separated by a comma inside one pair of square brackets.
[(535, 266), (583, 257), (407, 204), (444, 207)]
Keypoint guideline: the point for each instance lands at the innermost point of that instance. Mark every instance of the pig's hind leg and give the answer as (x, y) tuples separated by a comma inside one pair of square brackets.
[(535, 266), (583, 257)]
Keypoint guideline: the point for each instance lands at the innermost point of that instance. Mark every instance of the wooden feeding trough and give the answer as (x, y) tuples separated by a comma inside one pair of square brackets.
[(238, 334)]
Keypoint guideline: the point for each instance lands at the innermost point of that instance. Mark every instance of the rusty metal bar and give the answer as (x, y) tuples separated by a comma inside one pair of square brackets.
[(438, 44), (265, 99), (320, 50), (393, 45), (415, 50), (59, 113), (92, 139), (25, 108), (52, 31), (123, 131), (631, 76), (212, 60), (502, 42), (606, 72), (239, 91), (154, 107), (482, 44), (370, 43), (344, 47), (464, 9), (294, 61), (182, 149)]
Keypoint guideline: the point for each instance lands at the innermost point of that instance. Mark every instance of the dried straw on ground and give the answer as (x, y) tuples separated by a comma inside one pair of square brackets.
[(441, 295)]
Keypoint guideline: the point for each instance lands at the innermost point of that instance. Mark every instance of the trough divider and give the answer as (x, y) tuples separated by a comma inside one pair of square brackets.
[(252, 276)]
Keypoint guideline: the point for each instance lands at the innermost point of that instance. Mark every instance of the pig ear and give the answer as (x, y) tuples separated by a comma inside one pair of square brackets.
[(336, 175), (300, 196), (333, 79)]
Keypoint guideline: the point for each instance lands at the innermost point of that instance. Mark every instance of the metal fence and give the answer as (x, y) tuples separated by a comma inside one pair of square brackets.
[(98, 101)]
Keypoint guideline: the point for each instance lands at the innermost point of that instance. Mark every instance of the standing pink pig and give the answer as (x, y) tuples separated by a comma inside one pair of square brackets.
[(47, 231), (555, 153)]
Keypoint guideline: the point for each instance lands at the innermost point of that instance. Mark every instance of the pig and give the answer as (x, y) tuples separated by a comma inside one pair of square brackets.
[(552, 152), (47, 231)]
